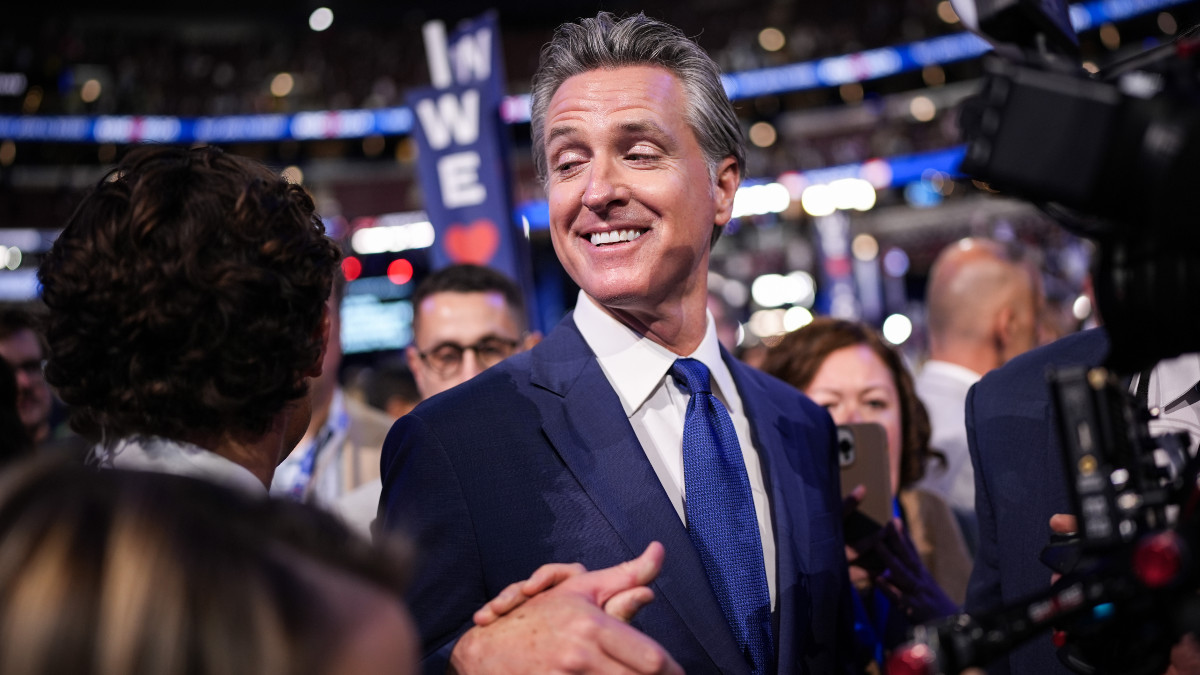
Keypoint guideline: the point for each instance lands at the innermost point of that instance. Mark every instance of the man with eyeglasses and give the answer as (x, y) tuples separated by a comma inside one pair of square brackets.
[(466, 319), (21, 347)]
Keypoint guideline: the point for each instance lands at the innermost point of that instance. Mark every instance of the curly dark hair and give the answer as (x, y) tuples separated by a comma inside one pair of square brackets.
[(186, 297), (798, 357)]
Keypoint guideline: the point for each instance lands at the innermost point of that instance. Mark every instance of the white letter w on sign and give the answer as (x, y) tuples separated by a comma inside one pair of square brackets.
[(450, 118)]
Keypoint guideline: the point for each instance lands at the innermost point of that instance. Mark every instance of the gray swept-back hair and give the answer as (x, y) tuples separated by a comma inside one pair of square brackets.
[(606, 42)]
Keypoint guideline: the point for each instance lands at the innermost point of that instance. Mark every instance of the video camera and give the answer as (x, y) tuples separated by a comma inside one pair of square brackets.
[(1114, 157)]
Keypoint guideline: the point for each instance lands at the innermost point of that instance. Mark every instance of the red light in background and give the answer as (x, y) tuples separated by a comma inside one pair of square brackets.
[(351, 268), (1158, 559), (912, 659), (400, 272)]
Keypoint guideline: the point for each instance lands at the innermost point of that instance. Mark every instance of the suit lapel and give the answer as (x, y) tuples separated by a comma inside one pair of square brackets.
[(583, 419)]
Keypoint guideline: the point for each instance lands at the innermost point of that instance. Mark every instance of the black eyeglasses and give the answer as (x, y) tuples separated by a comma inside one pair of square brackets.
[(446, 358)]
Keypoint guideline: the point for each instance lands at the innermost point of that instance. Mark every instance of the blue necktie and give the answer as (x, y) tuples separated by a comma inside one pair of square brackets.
[(720, 516)]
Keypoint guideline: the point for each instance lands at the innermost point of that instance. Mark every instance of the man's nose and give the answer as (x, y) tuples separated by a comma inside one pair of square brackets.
[(471, 365), (604, 186)]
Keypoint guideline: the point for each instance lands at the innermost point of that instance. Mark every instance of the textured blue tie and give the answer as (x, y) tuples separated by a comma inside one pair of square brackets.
[(720, 516)]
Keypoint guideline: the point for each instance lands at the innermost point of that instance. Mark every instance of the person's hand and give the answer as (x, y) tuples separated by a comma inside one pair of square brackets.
[(859, 576), (1185, 657), (905, 579), (623, 605), (546, 576), (564, 627), (1062, 523)]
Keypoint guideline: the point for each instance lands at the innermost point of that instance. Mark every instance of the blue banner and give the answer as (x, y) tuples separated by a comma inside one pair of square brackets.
[(462, 150)]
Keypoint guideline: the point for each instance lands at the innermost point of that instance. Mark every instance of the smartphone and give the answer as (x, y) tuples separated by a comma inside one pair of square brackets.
[(863, 457)]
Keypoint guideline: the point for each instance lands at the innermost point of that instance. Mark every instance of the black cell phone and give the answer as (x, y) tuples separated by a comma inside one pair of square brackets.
[(863, 458)]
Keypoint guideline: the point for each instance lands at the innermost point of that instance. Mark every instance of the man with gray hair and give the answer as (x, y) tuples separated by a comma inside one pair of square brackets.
[(628, 425)]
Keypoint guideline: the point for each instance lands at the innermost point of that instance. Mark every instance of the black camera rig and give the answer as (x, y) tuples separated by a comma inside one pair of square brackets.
[(1114, 157)]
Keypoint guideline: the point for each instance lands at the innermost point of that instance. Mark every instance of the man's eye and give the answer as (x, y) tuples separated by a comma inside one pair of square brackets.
[(446, 355)]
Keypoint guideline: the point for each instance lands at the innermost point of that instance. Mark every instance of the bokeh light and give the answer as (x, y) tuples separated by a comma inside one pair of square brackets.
[(897, 328), (321, 19), (400, 271)]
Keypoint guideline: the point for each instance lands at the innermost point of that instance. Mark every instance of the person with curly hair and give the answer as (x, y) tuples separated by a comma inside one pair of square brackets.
[(187, 313)]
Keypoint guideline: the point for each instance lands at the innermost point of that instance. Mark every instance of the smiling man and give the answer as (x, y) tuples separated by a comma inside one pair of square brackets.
[(628, 424)]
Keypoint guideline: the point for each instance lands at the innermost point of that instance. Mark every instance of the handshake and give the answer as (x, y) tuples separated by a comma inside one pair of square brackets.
[(567, 619)]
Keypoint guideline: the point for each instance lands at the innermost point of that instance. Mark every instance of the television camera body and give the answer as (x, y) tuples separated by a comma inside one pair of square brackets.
[(1116, 158)]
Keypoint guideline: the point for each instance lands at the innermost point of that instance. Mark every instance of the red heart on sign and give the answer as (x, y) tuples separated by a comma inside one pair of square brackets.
[(475, 243)]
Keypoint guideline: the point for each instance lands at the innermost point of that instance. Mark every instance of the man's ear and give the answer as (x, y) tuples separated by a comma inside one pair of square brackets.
[(530, 340), (1003, 328), (728, 178), (415, 367)]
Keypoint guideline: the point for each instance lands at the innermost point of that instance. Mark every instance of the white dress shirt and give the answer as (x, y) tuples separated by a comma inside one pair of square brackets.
[(1175, 391), (638, 368), (943, 387)]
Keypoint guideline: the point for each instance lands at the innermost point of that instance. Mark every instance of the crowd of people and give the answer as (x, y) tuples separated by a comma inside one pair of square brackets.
[(620, 495)]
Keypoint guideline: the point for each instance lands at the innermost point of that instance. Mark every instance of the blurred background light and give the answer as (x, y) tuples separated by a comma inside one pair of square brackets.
[(90, 91), (766, 322), (864, 247), (796, 318), (1082, 307), (897, 328), (895, 262), (763, 134), (757, 200), (282, 84), (392, 238), (400, 271), (771, 39), (321, 19), (351, 268)]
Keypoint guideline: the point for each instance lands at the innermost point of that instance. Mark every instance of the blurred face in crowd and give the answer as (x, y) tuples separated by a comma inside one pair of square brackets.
[(24, 353), (855, 385), (632, 200), (458, 336)]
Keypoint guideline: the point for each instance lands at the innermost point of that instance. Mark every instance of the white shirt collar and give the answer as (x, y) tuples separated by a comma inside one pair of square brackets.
[(635, 365), (951, 371), (163, 455)]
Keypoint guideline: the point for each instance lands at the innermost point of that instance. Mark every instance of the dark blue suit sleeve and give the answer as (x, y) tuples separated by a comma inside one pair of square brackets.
[(983, 590), (414, 462)]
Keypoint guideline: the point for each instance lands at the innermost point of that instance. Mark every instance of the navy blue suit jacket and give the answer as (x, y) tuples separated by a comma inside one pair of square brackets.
[(534, 461), (1019, 483)]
